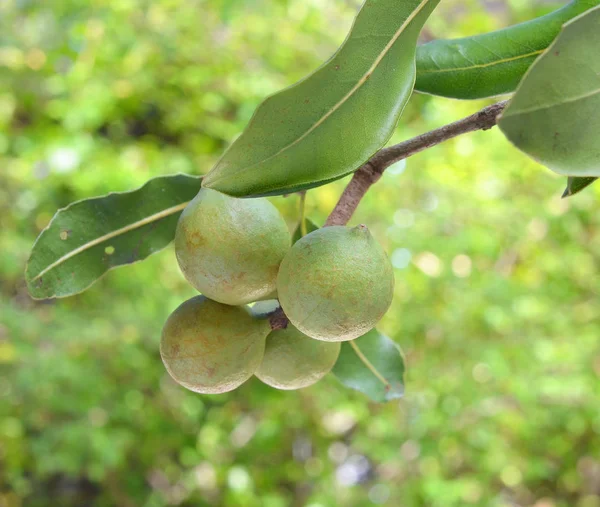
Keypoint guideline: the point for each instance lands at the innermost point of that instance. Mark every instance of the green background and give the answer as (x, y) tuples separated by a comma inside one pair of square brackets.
[(495, 305)]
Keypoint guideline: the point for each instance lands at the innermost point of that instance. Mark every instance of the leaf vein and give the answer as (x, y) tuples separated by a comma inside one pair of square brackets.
[(549, 106), (342, 101), (369, 364), (135, 225), (480, 65)]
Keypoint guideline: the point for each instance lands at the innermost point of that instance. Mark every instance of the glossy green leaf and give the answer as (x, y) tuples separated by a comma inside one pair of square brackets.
[(310, 227), (554, 115), (373, 365), (576, 185), (328, 124), (89, 237), (492, 63)]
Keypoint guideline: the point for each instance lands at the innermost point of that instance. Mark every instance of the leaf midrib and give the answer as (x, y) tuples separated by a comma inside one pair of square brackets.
[(556, 45), (342, 101), (370, 366), (122, 230), (480, 65), (520, 112)]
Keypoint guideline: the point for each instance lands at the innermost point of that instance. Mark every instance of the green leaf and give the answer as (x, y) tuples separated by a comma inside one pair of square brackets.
[(325, 126), (576, 185), (373, 365), (89, 237), (310, 227), (554, 115), (492, 63)]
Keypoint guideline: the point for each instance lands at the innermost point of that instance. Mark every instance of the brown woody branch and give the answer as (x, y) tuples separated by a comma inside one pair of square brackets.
[(372, 170)]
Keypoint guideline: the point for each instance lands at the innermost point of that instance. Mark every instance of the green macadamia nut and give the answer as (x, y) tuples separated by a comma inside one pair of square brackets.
[(336, 283), (210, 348), (230, 249), (293, 360)]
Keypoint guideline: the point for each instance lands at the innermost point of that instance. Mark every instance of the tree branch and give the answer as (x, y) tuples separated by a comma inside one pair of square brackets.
[(372, 170)]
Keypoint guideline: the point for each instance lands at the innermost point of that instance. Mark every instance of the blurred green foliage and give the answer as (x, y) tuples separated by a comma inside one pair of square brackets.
[(495, 307)]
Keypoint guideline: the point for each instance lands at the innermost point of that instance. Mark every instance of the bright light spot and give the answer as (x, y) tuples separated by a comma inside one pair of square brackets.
[(133, 157), (397, 168), (238, 479), (538, 229), (491, 188), (511, 476), (404, 218), (429, 263), (353, 471), (11, 57), (109, 250), (206, 477), (27, 201), (338, 422), (64, 160), (461, 266), (401, 258), (464, 146), (243, 432)]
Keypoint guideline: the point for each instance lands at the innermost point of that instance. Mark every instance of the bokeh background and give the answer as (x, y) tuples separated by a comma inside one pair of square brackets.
[(495, 306)]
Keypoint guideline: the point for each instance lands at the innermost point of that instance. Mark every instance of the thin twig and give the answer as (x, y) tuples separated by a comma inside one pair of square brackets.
[(302, 205), (372, 170)]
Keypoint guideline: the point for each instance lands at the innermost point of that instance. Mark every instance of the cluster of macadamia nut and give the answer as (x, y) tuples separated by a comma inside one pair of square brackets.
[(334, 284)]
